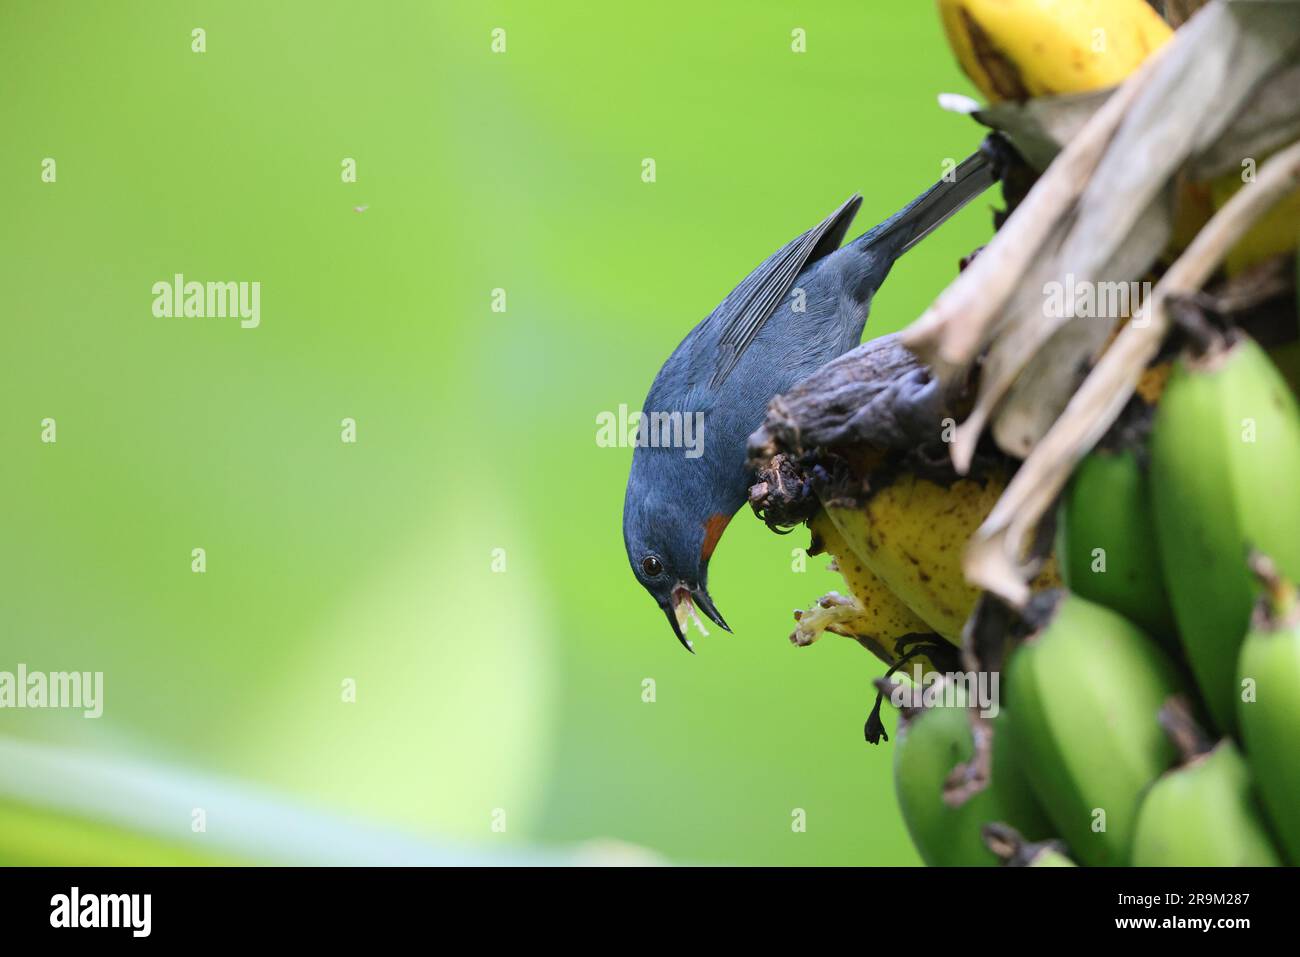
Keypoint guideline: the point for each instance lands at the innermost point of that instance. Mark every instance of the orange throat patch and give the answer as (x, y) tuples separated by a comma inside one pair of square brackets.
[(713, 530)]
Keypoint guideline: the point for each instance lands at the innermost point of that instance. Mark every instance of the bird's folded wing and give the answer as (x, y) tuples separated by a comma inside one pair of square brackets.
[(750, 304)]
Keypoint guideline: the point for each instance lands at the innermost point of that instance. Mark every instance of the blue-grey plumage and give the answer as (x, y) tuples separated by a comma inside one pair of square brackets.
[(803, 306)]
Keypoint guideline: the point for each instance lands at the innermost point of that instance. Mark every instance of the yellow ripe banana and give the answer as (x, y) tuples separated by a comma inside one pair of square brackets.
[(1017, 49), (872, 615), (911, 533), (1277, 232)]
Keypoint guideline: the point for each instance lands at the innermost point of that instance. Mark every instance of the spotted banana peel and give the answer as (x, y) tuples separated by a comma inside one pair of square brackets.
[(1016, 49)]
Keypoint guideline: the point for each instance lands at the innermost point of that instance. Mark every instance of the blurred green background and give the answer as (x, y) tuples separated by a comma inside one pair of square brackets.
[(478, 691)]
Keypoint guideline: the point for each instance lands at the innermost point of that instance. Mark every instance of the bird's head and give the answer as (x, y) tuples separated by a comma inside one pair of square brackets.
[(669, 544)]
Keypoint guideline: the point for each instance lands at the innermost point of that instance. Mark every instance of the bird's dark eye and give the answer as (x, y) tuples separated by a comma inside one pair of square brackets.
[(651, 566)]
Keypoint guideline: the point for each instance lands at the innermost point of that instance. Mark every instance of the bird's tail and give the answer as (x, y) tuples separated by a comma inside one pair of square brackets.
[(927, 212)]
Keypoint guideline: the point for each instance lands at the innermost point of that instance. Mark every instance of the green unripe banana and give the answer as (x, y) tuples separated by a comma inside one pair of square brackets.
[(1048, 855), (1205, 813), (1269, 708), (1082, 695), (931, 743), (1225, 456), (1106, 542), (1014, 851)]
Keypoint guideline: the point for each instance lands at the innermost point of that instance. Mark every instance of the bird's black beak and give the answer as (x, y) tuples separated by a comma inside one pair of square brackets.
[(679, 631), (705, 604), (681, 606)]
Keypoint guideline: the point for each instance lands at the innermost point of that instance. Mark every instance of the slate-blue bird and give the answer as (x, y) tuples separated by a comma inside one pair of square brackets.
[(804, 305)]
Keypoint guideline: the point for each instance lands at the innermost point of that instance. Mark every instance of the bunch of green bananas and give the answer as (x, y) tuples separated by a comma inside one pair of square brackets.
[(1173, 620), (1177, 542)]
